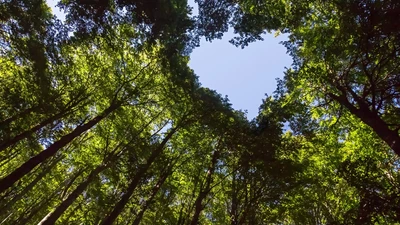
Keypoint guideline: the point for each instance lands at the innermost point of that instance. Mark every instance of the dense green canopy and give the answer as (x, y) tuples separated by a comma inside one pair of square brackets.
[(103, 122)]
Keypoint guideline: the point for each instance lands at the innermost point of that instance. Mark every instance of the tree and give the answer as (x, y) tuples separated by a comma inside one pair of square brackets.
[(347, 49), (103, 121), (357, 66)]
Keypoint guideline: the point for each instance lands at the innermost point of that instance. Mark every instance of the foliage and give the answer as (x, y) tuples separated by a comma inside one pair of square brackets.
[(103, 122)]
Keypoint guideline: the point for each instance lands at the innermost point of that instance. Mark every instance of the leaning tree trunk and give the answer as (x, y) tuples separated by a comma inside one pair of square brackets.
[(52, 217), (391, 137), (28, 166), (204, 192), (22, 114), (135, 181), (30, 185), (154, 192), (24, 220), (27, 133)]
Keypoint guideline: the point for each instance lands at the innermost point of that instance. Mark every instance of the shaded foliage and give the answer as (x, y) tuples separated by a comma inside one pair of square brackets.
[(103, 122)]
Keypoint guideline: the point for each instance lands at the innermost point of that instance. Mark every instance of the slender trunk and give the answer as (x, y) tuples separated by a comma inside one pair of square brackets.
[(363, 214), (181, 220), (4, 220), (135, 181), (52, 217), (204, 192), (234, 206), (30, 185), (391, 137), (24, 220), (8, 157), (28, 166), (243, 218), (72, 213), (70, 182), (154, 192), (25, 134), (32, 130), (29, 209), (22, 114), (198, 208)]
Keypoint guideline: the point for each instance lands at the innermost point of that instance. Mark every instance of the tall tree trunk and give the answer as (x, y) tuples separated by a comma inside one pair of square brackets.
[(28, 166), (52, 217), (135, 181), (245, 212), (204, 192), (30, 185), (68, 183), (154, 192), (181, 219), (24, 220), (73, 212), (27, 133), (391, 137), (22, 114), (234, 199)]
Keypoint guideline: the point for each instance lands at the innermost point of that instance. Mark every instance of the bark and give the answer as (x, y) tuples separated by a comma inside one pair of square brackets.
[(181, 219), (52, 217), (28, 166), (30, 185), (27, 133), (70, 182), (72, 213), (22, 114), (24, 220), (204, 192), (234, 206), (372, 119), (154, 192), (135, 181)]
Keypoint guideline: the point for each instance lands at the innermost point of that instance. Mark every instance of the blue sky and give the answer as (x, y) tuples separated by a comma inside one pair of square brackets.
[(244, 75)]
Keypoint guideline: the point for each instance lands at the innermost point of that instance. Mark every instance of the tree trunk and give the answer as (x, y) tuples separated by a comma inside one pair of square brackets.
[(135, 181), (181, 219), (25, 134), (52, 217), (204, 192), (391, 137), (24, 220), (72, 213), (234, 206), (28, 166), (71, 181), (22, 114), (30, 185), (147, 203)]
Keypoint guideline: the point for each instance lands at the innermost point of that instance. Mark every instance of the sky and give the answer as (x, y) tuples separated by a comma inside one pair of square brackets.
[(244, 75)]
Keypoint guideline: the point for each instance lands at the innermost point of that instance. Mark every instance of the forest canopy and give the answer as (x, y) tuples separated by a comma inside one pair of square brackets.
[(102, 121)]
